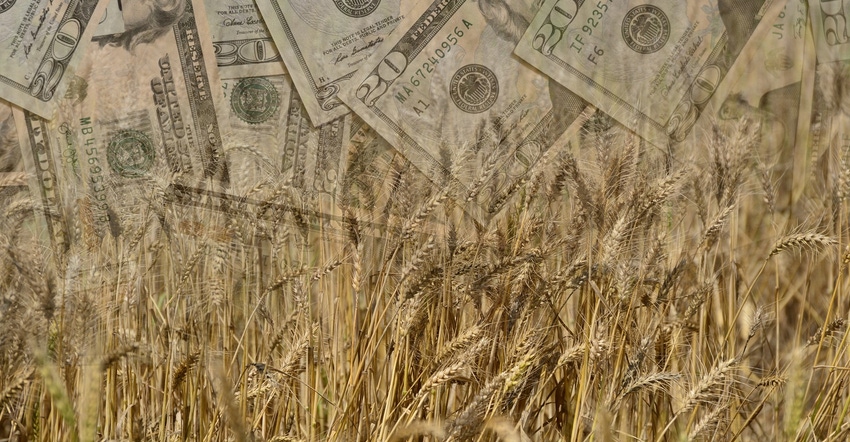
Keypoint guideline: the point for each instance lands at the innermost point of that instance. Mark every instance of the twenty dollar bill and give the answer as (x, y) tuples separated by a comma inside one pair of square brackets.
[(442, 92), (652, 65), (324, 43), (241, 40), (139, 115), (41, 43)]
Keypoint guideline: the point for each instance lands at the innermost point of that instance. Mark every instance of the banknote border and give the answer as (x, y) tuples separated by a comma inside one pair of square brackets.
[(206, 120), (45, 171), (589, 82), (331, 86), (617, 104), (72, 59)]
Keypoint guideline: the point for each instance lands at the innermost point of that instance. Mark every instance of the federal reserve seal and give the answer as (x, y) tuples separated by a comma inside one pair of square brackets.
[(6, 5), (646, 29), (130, 153), (474, 88), (357, 8), (254, 100)]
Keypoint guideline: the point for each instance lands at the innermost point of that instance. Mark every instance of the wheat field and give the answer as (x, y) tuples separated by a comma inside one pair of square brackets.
[(619, 293)]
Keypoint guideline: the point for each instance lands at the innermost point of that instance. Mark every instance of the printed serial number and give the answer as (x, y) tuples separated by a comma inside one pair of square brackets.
[(396, 63), (595, 18), (438, 54)]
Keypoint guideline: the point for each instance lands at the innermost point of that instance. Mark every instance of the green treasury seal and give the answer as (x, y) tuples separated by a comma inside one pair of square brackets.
[(254, 100), (130, 153)]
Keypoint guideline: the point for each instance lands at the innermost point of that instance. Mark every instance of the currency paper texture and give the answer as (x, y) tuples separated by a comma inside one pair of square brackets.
[(829, 132), (271, 138), (41, 43), (773, 99), (831, 27), (241, 40), (22, 229), (439, 90), (12, 172), (112, 21), (324, 43), (140, 114), (276, 143), (651, 65)]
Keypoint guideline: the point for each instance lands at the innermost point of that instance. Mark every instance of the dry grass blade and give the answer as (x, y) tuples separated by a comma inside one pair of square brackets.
[(116, 355), (599, 300)]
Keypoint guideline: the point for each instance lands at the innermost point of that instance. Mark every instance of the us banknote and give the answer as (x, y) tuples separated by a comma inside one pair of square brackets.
[(770, 94), (829, 133), (112, 21), (140, 115), (41, 44), (324, 43), (12, 172), (21, 231), (443, 92), (653, 66), (274, 142), (831, 26), (243, 45)]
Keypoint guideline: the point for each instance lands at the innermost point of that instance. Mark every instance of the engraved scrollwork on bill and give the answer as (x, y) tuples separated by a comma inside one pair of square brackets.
[(328, 96), (323, 46), (653, 67), (44, 44), (245, 52)]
